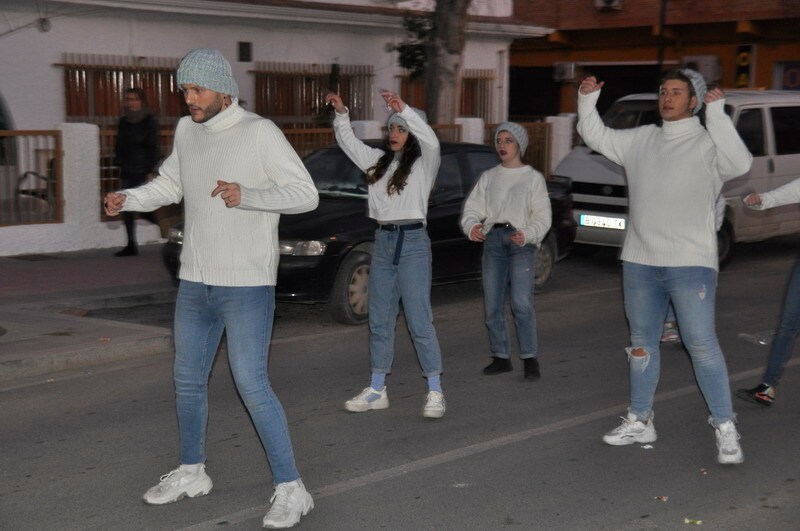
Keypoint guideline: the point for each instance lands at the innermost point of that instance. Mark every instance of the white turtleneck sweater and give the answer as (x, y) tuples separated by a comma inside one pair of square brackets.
[(510, 195), (412, 202), (229, 246), (787, 194), (675, 173)]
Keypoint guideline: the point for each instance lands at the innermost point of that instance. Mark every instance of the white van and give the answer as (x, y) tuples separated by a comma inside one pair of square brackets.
[(769, 123)]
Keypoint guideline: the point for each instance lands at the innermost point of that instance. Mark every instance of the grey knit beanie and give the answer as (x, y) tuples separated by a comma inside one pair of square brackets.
[(209, 69), (699, 85), (517, 131), (395, 118)]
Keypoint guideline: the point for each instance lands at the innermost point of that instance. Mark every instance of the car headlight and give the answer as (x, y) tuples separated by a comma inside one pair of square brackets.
[(175, 236), (302, 248)]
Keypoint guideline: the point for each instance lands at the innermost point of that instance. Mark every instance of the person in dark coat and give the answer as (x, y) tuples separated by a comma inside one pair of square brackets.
[(137, 155)]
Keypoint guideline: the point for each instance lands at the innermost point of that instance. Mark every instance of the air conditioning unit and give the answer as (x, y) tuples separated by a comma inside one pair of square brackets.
[(608, 5), (564, 71), (709, 66)]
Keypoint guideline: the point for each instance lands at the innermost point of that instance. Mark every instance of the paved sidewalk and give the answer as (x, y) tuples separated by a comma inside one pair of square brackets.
[(43, 299)]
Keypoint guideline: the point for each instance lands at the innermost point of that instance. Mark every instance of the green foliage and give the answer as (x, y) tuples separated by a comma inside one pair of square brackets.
[(411, 52)]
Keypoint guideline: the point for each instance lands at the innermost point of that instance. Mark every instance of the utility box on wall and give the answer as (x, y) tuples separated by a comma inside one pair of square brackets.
[(709, 66), (564, 71)]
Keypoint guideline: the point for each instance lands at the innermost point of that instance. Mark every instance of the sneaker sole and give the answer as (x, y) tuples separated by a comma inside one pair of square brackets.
[(433, 414), (627, 442), (731, 460), (744, 395), (358, 408), (186, 494), (307, 506)]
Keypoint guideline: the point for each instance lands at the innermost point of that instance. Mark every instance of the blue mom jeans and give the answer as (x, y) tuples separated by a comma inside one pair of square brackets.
[(245, 314), (647, 292), (409, 280), (508, 273)]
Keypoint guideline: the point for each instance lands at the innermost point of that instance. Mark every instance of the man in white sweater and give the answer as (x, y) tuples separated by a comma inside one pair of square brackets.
[(675, 172), (236, 173)]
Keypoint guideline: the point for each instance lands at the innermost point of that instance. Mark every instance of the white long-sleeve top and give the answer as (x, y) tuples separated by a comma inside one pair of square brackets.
[(412, 202), (675, 173), (787, 194), (229, 246), (510, 195)]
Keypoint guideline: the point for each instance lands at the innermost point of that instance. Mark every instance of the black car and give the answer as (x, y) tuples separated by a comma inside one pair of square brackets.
[(325, 254)]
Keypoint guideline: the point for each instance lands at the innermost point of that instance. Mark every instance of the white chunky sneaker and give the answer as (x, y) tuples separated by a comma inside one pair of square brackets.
[(434, 405), (289, 502), (181, 483), (730, 452), (368, 399), (631, 431)]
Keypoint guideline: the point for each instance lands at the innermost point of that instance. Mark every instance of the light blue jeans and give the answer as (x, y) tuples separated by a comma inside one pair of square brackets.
[(245, 314), (508, 272), (647, 292), (409, 280)]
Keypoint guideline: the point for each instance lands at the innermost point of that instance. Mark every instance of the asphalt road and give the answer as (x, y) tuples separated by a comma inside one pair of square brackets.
[(79, 451)]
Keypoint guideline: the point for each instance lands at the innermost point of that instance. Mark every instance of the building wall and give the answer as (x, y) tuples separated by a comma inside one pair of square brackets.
[(630, 37), (32, 86)]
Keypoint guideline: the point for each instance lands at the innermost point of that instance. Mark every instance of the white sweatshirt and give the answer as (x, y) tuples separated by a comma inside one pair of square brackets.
[(229, 246), (675, 173), (787, 194), (412, 202), (510, 195)]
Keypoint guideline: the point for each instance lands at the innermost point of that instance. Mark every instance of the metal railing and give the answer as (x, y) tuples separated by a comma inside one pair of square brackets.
[(31, 187)]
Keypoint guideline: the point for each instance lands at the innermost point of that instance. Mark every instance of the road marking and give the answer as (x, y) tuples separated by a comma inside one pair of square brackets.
[(379, 476)]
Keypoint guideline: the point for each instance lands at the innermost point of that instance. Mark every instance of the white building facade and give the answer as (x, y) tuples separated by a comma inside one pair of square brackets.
[(38, 40)]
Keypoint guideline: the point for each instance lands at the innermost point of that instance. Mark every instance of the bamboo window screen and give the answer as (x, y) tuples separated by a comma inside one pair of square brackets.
[(476, 92), (94, 86), (292, 94)]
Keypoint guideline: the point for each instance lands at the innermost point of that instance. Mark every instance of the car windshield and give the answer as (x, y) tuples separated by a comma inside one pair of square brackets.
[(631, 113), (335, 174)]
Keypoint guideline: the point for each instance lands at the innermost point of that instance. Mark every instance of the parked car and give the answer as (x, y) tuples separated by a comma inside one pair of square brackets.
[(326, 253), (769, 123)]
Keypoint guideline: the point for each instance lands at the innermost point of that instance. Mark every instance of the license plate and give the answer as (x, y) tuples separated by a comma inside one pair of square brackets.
[(603, 222)]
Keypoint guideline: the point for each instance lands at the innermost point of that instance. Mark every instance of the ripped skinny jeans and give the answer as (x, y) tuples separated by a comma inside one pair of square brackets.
[(648, 291)]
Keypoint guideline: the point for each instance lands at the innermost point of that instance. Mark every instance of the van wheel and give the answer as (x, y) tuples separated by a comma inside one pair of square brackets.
[(545, 260), (725, 244), (350, 293)]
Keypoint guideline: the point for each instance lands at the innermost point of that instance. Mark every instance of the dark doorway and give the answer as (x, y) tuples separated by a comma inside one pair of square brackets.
[(532, 93)]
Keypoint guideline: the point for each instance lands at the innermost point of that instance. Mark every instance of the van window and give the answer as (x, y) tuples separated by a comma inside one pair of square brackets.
[(785, 122), (630, 114), (751, 128)]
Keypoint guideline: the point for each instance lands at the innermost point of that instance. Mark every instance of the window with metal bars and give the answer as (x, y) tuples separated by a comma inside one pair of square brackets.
[(476, 92), (94, 86), (293, 94)]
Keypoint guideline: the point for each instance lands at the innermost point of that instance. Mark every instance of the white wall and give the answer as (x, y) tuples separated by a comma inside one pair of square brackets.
[(82, 228), (32, 84)]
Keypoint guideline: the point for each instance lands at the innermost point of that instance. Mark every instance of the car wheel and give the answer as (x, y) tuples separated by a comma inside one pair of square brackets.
[(725, 244), (350, 293), (545, 260)]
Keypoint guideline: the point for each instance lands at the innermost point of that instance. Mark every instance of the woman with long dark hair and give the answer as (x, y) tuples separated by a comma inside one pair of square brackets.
[(400, 178)]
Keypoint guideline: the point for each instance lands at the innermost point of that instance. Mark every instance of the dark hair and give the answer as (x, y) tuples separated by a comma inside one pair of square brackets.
[(139, 92), (678, 74), (411, 152)]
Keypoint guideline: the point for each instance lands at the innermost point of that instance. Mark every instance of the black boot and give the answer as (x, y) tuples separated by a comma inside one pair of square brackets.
[(129, 250), (532, 369), (497, 366)]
